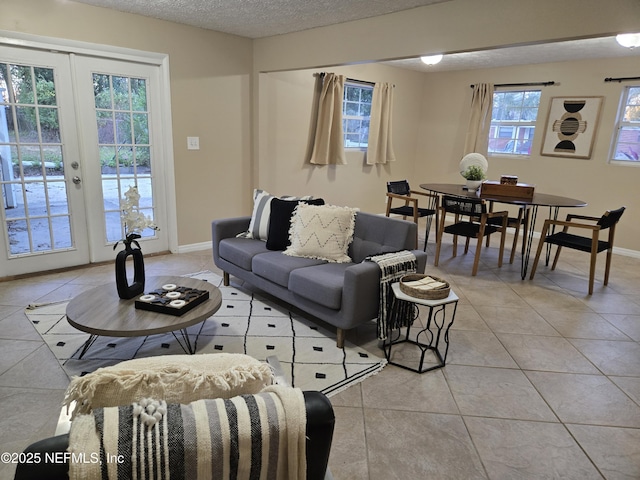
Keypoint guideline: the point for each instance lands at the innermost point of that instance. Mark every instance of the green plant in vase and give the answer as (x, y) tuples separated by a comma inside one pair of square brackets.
[(474, 175)]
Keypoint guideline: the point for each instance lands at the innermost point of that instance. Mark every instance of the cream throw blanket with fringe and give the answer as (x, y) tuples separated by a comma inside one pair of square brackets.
[(173, 378), (259, 436)]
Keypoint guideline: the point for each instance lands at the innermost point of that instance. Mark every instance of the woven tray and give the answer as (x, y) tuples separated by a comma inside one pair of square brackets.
[(431, 294)]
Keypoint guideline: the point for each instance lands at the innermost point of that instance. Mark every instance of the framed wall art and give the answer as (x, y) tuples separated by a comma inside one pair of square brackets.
[(571, 126)]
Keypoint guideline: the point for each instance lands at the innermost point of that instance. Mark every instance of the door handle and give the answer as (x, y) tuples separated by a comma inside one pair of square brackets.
[(76, 180)]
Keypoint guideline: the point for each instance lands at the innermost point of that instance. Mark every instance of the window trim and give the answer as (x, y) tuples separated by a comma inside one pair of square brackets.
[(516, 125), (617, 128), (345, 117)]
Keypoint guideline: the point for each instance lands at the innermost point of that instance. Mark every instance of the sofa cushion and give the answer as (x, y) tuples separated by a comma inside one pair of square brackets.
[(276, 267), (376, 234), (280, 221), (323, 283), (322, 232), (360, 249), (240, 251)]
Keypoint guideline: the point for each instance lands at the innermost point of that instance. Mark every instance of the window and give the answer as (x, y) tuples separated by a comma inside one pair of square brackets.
[(626, 146), (356, 112), (513, 121)]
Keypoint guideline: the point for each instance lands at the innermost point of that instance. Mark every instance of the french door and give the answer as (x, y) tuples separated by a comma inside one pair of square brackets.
[(75, 133)]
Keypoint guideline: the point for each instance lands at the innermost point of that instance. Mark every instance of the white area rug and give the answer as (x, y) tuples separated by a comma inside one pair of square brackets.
[(246, 323)]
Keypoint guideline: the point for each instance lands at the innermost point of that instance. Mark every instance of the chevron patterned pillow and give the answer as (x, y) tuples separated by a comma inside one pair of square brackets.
[(322, 232)]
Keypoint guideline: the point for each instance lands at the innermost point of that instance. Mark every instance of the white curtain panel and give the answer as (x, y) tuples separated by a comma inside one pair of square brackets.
[(328, 144), (380, 149), (480, 119)]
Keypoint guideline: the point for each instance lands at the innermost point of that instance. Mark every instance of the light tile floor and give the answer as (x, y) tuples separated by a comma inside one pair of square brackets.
[(542, 380)]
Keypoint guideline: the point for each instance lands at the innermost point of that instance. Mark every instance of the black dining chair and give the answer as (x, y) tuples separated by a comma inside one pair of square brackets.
[(400, 190), (476, 225), (590, 244)]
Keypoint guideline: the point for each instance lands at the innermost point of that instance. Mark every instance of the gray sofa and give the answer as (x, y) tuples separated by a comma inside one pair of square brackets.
[(344, 295)]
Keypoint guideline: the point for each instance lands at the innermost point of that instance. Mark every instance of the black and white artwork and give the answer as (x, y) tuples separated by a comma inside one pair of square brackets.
[(571, 126)]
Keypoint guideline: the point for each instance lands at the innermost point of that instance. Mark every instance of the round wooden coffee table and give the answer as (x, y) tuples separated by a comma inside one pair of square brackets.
[(100, 312)]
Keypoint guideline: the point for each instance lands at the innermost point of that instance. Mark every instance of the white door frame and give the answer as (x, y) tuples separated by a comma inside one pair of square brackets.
[(36, 42)]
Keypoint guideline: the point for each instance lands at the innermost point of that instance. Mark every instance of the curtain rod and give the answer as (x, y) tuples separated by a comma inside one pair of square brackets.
[(360, 81), (322, 74), (621, 79), (530, 84)]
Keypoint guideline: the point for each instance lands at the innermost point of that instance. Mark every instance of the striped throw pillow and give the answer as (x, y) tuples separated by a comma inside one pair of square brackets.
[(259, 225)]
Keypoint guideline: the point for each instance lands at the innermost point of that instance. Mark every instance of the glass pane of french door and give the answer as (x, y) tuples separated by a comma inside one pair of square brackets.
[(122, 122), (37, 146), (119, 127), (33, 183)]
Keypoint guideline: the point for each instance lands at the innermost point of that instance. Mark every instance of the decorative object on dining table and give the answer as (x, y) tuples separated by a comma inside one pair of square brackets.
[(473, 167), (474, 176), (490, 188), (171, 299), (509, 179), (135, 222), (425, 287), (571, 126)]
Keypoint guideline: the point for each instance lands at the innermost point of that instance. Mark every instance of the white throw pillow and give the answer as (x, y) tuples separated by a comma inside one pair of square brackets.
[(321, 231), (173, 378)]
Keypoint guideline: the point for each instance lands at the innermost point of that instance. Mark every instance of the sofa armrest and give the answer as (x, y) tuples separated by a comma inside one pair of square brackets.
[(320, 424), (359, 281), (227, 228), (421, 260)]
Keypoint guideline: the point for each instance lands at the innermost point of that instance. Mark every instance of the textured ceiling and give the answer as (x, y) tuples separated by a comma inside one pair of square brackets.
[(264, 18), (260, 18)]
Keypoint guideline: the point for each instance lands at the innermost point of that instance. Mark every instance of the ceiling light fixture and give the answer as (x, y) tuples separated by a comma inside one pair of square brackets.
[(629, 40), (431, 59)]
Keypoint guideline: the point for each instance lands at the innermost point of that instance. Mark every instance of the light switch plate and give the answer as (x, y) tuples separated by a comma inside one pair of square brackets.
[(193, 143)]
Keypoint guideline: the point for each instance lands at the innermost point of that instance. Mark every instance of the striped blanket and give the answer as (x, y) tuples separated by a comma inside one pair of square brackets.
[(259, 436), (393, 266)]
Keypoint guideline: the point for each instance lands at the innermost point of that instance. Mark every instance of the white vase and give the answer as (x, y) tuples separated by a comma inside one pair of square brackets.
[(473, 185)]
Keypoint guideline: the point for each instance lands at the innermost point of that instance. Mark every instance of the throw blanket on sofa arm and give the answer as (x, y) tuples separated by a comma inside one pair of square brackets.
[(393, 266), (245, 437)]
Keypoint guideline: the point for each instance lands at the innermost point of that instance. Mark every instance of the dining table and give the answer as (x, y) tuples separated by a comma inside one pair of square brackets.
[(530, 206)]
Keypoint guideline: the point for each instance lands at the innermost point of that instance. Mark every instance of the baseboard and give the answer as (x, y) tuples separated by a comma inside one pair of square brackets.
[(626, 252), (194, 247)]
